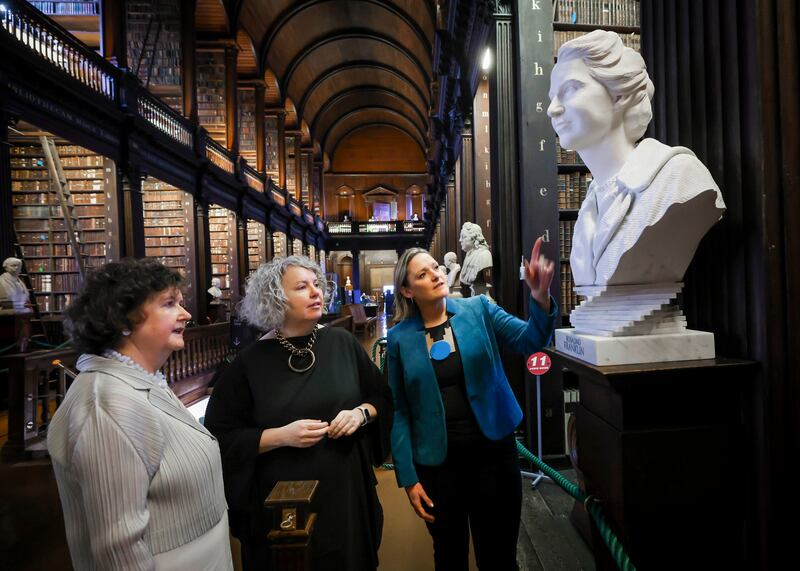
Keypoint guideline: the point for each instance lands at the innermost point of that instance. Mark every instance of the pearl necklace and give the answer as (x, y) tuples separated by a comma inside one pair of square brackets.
[(157, 378)]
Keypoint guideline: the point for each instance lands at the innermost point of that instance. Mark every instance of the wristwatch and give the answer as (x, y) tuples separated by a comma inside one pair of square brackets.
[(365, 412)]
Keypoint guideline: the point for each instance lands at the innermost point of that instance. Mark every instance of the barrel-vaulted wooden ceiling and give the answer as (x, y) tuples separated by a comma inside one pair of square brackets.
[(339, 65)]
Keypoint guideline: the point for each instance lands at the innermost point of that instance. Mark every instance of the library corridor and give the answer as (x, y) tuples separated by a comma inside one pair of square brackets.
[(399, 284)]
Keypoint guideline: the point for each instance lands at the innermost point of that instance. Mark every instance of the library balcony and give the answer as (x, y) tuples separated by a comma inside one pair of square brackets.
[(376, 235)]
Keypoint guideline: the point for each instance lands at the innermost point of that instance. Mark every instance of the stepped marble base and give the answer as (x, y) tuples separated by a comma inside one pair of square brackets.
[(635, 349)]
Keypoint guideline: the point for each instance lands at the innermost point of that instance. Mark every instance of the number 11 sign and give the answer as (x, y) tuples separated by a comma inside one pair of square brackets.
[(539, 363)]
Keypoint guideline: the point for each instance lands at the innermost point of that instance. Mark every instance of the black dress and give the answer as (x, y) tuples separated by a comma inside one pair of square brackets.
[(259, 391)]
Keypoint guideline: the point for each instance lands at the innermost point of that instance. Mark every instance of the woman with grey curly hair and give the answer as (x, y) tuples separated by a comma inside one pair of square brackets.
[(305, 402)]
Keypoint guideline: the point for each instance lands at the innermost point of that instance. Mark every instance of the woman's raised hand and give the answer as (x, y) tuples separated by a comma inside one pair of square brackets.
[(539, 275)]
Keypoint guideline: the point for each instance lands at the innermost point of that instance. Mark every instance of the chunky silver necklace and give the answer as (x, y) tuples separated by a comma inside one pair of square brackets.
[(157, 378), (302, 352)]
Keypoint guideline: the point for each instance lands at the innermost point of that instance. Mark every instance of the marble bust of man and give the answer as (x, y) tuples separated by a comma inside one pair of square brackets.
[(13, 293), (477, 260), (649, 204), (453, 270), (214, 291)]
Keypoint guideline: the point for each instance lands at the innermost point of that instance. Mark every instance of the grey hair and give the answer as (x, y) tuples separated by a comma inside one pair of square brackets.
[(475, 234), (265, 302), (404, 307), (621, 70)]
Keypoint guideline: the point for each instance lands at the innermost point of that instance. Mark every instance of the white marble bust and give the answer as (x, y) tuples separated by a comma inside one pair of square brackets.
[(649, 204), (214, 291), (453, 270), (13, 292), (478, 257)]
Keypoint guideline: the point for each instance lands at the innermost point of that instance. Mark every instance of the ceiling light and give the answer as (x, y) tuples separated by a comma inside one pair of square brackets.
[(486, 60)]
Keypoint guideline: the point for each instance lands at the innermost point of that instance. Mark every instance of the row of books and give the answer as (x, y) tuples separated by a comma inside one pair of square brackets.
[(65, 250), (160, 60), (39, 173), (271, 146), (39, 265), (572, 188), (569, 299), (53, 303), (256, 245), (67, 8), (566, 156), (278, 244), (565, 230), (598, 12), (247, 125), (46, 283), (166, 210), (211, 93), (68, 161), (221, 229), (561, 37)]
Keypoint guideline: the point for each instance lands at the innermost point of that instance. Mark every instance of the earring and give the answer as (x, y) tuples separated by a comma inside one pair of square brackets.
[(126, 332)]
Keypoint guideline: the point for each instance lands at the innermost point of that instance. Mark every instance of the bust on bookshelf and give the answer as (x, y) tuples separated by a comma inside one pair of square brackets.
[(453, 274), (649, 204)]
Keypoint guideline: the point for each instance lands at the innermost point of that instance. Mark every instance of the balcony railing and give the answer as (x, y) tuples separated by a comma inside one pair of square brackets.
[(375, 227), (253, 179), (164, 118), (54, 44), (218, 156)]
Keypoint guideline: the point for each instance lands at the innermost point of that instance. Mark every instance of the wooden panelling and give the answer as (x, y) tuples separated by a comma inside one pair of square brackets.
[(378, 149), (407, 187), (211, 17), (246, 61)]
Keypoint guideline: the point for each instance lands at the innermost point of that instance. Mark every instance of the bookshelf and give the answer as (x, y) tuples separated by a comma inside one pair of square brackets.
[(256, 245), (297, 247), (81, 19), (291, 179), (161, 59), (278, 244), (211, 93), (167, 219), (271, 153), (247, 125), (222, 232), (40, 225)]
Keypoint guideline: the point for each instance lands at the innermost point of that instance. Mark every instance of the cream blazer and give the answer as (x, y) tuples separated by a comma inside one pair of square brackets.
[(137, 474)]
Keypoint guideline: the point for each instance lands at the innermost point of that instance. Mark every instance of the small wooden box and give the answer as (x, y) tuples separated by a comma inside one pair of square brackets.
[(291, 501)]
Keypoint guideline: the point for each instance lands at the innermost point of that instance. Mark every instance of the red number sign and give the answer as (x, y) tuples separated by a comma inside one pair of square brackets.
[(538, 363)]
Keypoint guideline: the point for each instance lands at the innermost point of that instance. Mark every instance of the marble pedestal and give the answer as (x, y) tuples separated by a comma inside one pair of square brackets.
[(687, 345)]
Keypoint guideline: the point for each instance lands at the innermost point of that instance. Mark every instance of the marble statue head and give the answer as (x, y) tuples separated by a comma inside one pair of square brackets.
[(215, 282), (12, 265), (599, 86), (450, 258), (472, 237)]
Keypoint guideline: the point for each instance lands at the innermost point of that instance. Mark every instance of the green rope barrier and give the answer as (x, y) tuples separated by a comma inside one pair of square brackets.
[(5, 349), (591, 504), (50, 346)]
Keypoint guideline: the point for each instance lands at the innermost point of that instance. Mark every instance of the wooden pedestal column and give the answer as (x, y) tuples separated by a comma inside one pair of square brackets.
[(665, 447)]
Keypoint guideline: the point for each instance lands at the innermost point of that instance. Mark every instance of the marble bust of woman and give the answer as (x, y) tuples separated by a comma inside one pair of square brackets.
[(649, 204)]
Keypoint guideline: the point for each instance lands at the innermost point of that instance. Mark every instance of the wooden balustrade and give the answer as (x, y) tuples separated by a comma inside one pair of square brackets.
[(219, 156), (164, 118), (53, 43), (37, 386)]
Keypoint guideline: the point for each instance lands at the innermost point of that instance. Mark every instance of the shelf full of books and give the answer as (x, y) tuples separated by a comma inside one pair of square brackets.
[(257, 246), (247, 125), (211, 93), (271, 150), (154, 47), (297, 247), (291, 179), (40, 220), (222, 232), (279, 246), (168, 225)]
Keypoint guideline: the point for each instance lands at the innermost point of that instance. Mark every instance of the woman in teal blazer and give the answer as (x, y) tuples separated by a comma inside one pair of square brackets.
[(455, 413)]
